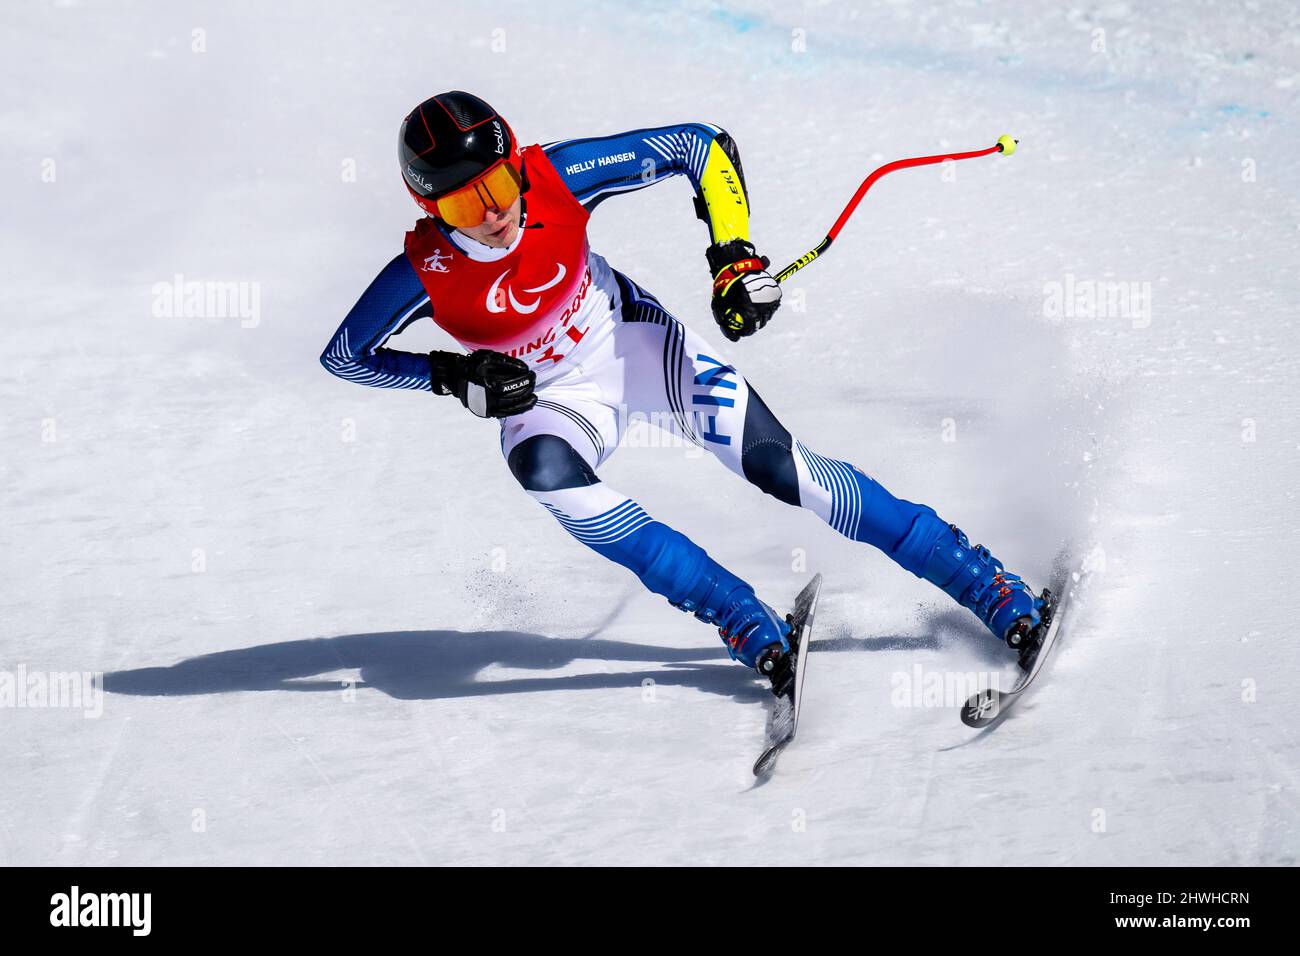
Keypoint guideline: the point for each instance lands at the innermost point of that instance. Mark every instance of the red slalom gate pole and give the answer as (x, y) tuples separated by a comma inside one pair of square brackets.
[(1005, 145)]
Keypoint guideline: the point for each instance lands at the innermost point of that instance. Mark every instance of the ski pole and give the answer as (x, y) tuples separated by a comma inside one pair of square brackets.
[(1005, 145)]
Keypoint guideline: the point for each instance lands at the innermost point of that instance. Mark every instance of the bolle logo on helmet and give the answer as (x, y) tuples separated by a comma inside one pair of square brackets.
[(501, 136), (417, 180)]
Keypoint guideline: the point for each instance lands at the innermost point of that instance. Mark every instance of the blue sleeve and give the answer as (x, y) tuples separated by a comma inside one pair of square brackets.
[(392, 302), (595, 169)]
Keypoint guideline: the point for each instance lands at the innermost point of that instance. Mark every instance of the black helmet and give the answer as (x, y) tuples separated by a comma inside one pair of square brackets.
[(448, 140)]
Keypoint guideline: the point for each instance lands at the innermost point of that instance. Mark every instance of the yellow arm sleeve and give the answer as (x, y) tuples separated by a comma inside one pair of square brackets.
[(722, 188)]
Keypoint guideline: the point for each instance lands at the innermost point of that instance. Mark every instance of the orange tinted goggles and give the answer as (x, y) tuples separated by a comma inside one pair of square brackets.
[(497, 188)]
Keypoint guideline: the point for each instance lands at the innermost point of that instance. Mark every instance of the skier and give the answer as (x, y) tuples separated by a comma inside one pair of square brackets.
[(559, 341)]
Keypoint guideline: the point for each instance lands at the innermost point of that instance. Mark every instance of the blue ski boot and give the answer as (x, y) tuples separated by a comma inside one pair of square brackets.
[(754, 634), (977, 580)]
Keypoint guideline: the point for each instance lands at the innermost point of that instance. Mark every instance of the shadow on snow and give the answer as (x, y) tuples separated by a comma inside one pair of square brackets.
[(422, 665)]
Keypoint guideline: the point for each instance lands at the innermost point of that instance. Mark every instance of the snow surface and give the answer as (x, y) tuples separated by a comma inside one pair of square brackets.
[(502, 712)]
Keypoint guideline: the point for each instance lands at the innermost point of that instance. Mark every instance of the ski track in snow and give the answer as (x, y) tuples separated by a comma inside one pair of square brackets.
[(198, 510)]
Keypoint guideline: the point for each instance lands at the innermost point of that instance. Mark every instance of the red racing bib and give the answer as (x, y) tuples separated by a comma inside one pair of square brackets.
[(526, 303)]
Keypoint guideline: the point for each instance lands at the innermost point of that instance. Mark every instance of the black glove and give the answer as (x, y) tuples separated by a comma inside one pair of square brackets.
[(744, 294), (489, 384)]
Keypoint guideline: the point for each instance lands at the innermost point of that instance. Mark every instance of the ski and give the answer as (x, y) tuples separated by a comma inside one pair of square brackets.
[(785, 714), (985, 707)]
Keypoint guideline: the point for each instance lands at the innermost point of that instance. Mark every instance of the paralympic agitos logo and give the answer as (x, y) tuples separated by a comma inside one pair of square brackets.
[(496, 301)]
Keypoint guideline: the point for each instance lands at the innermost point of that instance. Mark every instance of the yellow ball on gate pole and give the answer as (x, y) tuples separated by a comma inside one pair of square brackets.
[(1007, 143)]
